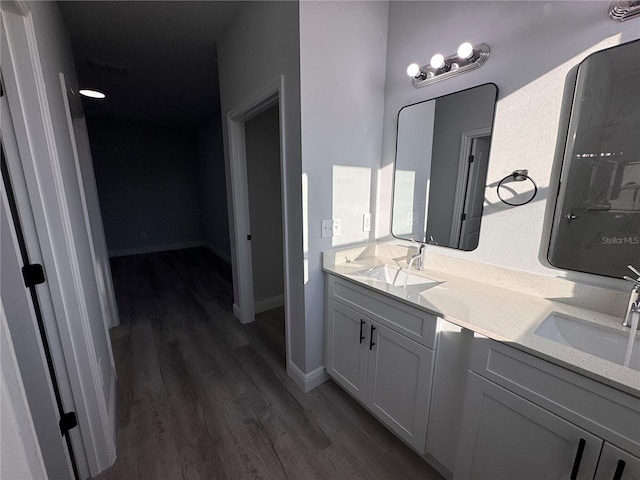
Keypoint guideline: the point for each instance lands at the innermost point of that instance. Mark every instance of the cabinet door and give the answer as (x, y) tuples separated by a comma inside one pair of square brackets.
[(399, 383), (347, 349), (616, 464), (505, 437)]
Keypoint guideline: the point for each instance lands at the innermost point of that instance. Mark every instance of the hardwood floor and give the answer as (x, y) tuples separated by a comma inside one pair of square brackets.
[(201, 396)]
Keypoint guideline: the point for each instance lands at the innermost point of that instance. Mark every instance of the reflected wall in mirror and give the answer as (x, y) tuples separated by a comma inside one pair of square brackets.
[(442, 156), (596, 227)]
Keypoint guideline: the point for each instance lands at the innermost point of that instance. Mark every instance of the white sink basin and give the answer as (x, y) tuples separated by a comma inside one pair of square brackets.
[(589, 338), (395, 276)]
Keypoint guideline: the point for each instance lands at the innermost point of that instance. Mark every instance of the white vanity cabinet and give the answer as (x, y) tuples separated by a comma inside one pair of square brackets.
[(526, 418), (381, 351)]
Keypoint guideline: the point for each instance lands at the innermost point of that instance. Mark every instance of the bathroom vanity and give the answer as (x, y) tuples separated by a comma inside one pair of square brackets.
[(463, 372)]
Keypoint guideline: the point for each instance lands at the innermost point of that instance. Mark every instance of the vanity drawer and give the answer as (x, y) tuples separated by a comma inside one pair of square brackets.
[(603, 410), (411, 322)]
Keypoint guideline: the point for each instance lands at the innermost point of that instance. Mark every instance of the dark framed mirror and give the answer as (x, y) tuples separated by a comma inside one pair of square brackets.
[(442, 155), (596, 225)]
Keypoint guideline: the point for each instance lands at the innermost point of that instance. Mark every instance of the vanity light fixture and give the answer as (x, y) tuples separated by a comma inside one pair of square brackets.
[(468, 57), (622, 10)]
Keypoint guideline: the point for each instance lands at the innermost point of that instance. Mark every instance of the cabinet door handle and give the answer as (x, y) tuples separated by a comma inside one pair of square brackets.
[(361, 325), (371, 342), (619, 470), (578, 459)]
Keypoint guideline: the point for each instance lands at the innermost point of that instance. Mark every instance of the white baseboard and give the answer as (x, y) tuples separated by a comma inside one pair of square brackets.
[(268, 304), (154, 248), (307, 381), (219, 253)]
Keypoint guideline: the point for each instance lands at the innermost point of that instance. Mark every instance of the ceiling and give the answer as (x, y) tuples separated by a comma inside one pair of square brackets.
[(155, 60)]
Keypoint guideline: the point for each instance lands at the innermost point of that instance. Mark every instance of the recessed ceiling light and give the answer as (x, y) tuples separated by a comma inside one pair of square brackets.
[(92, 94)]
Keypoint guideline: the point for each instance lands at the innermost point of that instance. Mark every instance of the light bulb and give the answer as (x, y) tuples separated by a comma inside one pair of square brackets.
[(465, 50), (92, 93), (437, 61), (413, 70)]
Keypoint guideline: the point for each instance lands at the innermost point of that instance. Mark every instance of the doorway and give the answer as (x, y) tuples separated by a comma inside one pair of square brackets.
[(246, 185), (264, 186), (473, 202), (469, 200)]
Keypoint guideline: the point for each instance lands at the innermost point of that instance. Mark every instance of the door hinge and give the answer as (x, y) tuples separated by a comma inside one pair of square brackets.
[(463, 217), (471, 158), (248, 237), (33, 275), (67, 422)]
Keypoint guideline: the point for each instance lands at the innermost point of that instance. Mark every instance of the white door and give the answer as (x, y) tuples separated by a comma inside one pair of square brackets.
[(347, 348), (398, 383), (470, 229), (505, 437), (24, 318)]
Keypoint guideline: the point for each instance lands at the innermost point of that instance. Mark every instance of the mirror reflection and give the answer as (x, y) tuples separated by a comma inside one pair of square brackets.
[(597, 219), (441, 164)]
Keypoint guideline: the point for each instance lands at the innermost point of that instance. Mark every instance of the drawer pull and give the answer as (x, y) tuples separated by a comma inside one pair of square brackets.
[(371, 342), (619, 470), (578, 459), (361, 325)]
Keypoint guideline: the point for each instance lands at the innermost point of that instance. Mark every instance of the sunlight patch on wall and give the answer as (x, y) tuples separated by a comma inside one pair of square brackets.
[(351, 201), (305, 225)]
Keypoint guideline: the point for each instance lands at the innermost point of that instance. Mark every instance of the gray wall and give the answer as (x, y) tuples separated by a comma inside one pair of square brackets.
[(262, 134), (532, 105), (265, 36), (477, 105), (147, 179), (213, 189), (342, 67)]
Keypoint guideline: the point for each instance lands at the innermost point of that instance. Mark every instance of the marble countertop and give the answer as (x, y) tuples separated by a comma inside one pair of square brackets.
[(502, 314)]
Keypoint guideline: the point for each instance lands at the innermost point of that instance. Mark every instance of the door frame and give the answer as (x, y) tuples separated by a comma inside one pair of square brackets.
[(266, 97), (466, 144), (27, 94)]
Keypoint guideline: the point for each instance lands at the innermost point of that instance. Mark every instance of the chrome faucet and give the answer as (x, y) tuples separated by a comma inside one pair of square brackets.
[(417, 259), (634, 299)]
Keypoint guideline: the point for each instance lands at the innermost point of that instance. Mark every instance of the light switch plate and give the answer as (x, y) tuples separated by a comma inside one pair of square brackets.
[(327, 228), (366, 222), (337, 228)]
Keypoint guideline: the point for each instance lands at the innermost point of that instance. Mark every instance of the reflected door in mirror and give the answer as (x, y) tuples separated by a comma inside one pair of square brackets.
[(441, 167)]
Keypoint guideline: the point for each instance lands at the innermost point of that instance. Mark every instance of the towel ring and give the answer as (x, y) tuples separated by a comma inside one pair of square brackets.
[(517, 176)]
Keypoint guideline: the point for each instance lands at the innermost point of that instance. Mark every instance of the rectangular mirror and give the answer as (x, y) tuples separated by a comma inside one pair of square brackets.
[(442, 154), (596, 226)]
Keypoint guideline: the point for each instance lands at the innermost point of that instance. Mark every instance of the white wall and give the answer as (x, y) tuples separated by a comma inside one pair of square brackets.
[(213, 190), (262, 134), (342, 68), (148, 183), (534, 47), (259, 45)]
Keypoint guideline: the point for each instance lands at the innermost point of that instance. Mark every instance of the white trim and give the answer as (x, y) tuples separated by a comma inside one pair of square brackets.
[(17, 7), (91, 358), (38, 150), (218, 253), (236, 310), (269, 303), (466, 142), (155, 248), (271, 94), (307, 381)]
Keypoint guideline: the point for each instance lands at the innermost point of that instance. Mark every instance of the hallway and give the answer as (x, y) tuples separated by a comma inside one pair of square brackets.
[(202, 396)]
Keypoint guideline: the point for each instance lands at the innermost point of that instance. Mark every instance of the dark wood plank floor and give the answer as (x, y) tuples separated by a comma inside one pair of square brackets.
[(202, 397)]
